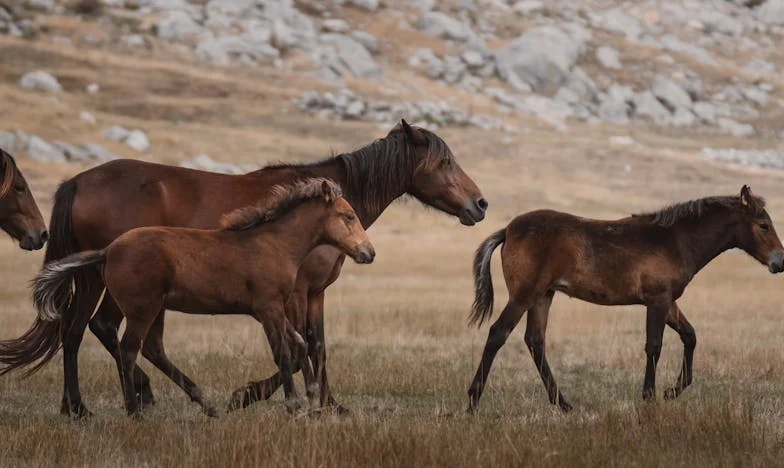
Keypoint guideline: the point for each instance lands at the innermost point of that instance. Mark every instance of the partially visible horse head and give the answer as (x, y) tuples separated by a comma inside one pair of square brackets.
[(20, 217), (438, 179), (343, 228), (757, 235)]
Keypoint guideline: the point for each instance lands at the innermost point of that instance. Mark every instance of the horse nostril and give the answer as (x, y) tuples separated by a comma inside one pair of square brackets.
[(482, 203), (44, 236)]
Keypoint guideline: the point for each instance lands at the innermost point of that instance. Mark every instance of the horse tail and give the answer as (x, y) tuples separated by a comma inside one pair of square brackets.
[(42, 340), (483, 281), (53, 283)]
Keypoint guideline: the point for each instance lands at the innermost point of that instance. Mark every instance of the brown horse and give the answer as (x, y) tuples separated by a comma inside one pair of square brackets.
[(247, 267), (646, 259), (409, 160), (20, 217)]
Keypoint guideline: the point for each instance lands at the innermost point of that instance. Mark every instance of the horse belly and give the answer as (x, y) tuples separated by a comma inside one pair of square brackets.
[(599, 292)]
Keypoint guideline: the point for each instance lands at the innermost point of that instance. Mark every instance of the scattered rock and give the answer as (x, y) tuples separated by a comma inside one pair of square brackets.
[(180, 26), (7, 141), (71, 152), (772, 12), (346, 105), (672, 43), (526, 7), (40, 150), (608, 58), (368, 5), (138, 141), (87, 117), (98, 153), (40, 80), (670, 93), (646, 105), (93, 88), (350, 57), (735, 128), (540, 59), (439, 24), (116, 133), (368, 40), (336, 25)]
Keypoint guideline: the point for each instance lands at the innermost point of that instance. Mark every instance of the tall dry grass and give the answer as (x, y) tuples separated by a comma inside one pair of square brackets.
[(400, 354)]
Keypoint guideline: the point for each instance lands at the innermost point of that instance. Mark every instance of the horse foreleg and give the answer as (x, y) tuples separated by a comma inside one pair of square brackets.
[(154, 352), (677, 321), (499, 332), (318, 351), (655, 319), (535, 332)]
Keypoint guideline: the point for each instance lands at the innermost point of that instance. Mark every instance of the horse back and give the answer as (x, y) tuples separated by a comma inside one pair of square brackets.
[(120, 195), (606, 262)]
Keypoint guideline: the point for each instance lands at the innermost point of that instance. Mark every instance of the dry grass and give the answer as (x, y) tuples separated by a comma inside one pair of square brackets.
[(400, 354)]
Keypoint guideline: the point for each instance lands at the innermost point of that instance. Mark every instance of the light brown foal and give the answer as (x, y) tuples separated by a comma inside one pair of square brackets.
[(247, 267)]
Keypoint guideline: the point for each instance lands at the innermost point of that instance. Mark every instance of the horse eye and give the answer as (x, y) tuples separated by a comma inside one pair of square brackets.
[(350, 217), (19, 188), (765, 227)]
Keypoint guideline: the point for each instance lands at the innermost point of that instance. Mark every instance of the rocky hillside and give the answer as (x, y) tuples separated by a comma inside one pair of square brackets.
[(704, 66)]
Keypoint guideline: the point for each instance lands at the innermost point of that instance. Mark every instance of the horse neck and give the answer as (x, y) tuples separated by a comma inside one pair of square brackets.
[(297, 233), (705, 239)]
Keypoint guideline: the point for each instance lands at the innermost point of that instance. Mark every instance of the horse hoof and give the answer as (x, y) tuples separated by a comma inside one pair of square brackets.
[(80, 412), (146, 399), (565, 407), (671, 393), (649, 394), (210, 411), (292, 406), (239, 399)]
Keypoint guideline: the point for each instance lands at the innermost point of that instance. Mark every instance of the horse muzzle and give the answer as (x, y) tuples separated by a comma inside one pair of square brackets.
[(364, 254), (776, 262), (33, 240), (474, 211)]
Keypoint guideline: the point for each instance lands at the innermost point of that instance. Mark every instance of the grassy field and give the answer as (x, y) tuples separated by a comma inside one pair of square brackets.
[(400, 353)]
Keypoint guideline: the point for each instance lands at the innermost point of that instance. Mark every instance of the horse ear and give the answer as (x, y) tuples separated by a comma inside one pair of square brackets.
[(745, 195), (326, 190), (411, 134)]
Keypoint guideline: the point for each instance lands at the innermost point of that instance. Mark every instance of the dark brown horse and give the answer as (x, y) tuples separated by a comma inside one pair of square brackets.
[(247, 267), (646, 259), (20, 217), (409, 160)]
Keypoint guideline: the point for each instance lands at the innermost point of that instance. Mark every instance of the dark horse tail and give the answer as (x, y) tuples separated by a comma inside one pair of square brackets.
[(42, 341), (483, 281)]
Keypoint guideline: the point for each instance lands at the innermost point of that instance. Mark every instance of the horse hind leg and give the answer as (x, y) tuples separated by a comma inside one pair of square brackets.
[(104, 326), (499, 333), (86, 297), (678, 322), (535, 332), (154, 352)]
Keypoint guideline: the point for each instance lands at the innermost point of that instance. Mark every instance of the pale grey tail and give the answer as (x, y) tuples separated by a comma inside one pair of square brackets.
[(52, 286)]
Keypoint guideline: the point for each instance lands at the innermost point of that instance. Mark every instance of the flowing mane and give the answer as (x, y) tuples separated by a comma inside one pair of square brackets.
[(391, 160), (695, 209), (8, 166), (284, 198)]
